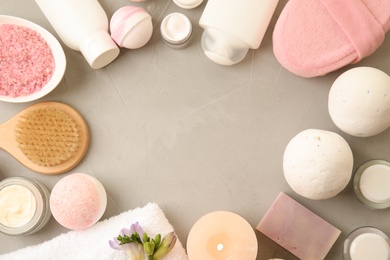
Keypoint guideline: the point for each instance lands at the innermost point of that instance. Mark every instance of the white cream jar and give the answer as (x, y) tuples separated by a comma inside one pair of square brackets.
[(176, 30), (24, 206)]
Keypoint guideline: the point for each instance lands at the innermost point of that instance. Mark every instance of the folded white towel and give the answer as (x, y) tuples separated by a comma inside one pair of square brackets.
[(92, 243)]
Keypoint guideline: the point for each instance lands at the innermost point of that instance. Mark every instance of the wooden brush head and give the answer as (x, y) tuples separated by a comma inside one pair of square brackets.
[(48, 137)]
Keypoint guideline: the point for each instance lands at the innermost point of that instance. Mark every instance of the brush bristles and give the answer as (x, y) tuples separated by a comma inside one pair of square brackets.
[(47, 136)]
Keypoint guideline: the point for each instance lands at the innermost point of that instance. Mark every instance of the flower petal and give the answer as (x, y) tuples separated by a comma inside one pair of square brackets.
[(114, 244), (135, 251), (138, 229), (125, 231)]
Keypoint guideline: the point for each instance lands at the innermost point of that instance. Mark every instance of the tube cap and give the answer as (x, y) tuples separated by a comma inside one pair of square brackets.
[(99, 49), (223, 48)]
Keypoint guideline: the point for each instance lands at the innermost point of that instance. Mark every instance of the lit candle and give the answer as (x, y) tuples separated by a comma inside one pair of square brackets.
[(371, 182), (222, 235), (367, 243)]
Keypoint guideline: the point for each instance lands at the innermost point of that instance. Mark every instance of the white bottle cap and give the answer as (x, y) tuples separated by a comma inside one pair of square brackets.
[(99, 49), (223, 48), (188, 4)]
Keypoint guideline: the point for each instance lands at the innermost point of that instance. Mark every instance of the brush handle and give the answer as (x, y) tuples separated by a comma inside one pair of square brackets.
[(8, 140)]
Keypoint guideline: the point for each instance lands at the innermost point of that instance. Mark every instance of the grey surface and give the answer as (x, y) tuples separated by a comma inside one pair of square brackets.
[(172, 127)]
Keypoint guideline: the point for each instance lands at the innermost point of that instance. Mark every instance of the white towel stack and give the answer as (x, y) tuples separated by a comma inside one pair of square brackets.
[(92, 243)]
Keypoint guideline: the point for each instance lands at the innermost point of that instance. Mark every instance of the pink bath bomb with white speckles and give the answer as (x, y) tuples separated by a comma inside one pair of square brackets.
[(78, 201)]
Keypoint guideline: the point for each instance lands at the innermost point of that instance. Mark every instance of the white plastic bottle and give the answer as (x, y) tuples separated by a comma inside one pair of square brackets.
[(83, 26), (233, 27)]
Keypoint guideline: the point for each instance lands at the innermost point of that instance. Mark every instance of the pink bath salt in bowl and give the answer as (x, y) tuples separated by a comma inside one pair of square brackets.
[(78, 201), (32, 60)]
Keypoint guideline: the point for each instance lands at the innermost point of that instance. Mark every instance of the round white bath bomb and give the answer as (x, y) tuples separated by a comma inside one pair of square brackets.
[(317, 164), (359, 101)]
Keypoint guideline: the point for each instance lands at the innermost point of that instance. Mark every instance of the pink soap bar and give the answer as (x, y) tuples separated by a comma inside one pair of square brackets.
[(297, 229)]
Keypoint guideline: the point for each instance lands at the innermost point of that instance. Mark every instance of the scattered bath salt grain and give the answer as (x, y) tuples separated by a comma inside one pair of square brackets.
[(26, 61)]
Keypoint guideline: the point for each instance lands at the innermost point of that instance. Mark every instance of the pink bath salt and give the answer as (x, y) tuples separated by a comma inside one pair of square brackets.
[(26, 61)]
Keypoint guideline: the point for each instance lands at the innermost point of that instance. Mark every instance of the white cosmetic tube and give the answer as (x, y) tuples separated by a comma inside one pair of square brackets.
[(83, 26)]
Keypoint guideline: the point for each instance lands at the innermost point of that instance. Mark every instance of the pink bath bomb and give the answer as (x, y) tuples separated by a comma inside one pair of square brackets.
[(131, 27), (78, 201)]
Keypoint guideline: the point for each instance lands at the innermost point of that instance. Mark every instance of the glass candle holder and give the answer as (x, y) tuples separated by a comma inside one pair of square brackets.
[(371, 184), (24, 206), (366, 243)]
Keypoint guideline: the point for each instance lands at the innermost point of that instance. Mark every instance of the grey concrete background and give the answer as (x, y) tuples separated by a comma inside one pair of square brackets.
[(172, 127)]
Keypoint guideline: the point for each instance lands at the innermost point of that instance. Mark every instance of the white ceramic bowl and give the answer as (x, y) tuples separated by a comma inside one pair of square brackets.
[(58, 54)]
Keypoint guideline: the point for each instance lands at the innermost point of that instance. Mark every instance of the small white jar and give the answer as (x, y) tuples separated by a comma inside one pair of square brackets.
[(24, 206), (176, 30)]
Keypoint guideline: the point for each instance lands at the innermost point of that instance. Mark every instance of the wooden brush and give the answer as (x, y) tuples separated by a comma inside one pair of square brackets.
[(47, 137)]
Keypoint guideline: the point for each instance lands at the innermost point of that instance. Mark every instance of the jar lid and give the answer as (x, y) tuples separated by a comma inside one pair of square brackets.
[(188, 4)]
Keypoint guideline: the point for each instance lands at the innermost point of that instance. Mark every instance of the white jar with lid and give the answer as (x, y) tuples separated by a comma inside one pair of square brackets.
[(24, 206), (176, 30), (82, 26), (234, 27)]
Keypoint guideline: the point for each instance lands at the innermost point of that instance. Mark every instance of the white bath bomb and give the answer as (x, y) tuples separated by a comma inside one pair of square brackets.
[(359, 101), (317, 164)]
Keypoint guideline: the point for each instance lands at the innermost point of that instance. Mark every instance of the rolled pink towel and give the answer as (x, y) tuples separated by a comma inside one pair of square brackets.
[(314, 37)]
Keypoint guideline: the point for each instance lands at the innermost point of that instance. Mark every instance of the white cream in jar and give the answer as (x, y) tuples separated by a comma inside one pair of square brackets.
[(17, 206), (24, 206)]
